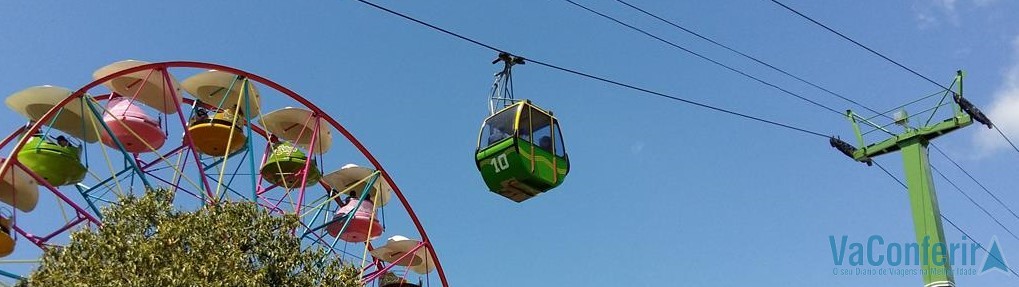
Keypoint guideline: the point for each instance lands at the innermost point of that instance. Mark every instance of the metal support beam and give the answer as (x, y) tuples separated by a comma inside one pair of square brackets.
[(934, 262)]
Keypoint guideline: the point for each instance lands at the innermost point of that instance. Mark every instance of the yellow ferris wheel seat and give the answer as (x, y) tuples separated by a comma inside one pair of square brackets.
[(6, 240), (217, 134)]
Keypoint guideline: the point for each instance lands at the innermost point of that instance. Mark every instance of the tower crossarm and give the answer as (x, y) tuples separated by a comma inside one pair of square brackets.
[(923, 134)]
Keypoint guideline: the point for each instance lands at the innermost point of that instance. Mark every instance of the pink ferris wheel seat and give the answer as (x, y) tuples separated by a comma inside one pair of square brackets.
[(125, 117), (361, 227)]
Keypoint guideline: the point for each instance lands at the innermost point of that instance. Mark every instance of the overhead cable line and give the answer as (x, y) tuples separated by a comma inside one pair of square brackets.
[(602, 79), (884, 114), (964, 233), (1000, 132), (730, 68), (594, 77), (676, 98), (1006, 138), (858, 44), (936, 148), (945, 90), (750, 57), (995, 219), (948, 89)]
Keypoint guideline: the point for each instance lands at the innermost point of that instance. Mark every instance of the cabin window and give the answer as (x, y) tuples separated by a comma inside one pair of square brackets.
[(542, 133), (534, 126), (524, 126), (560, 149), (498, 127)]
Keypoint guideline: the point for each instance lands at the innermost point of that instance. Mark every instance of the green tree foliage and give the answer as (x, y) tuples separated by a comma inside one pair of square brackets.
[(147, 242)]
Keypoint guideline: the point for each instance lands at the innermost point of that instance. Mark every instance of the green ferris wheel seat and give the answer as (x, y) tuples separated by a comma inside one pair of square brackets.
[(285, 167), (57, 161)]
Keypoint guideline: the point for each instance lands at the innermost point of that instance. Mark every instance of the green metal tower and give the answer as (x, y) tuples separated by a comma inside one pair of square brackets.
[(912, 143)]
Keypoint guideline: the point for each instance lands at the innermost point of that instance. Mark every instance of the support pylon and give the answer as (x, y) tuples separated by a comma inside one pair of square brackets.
[(930, 237)]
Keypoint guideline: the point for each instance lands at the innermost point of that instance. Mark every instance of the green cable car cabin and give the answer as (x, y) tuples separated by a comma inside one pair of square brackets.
[(521, 152)]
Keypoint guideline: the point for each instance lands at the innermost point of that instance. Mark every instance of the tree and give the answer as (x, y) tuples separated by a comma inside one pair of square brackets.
[(146, 242)]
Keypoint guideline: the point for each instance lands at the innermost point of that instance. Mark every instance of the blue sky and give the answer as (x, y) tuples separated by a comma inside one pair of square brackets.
[(659, 193)]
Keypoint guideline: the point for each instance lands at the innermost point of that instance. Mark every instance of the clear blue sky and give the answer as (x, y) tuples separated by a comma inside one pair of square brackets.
[(660, 193)]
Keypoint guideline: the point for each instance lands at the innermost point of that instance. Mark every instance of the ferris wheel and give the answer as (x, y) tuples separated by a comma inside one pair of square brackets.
[(219, 134)]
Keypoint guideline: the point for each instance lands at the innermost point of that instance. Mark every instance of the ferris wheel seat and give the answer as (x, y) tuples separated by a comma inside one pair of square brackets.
[(19, 189), (6, 240), (397, 246), (286, 167), (362, 226), (218, 135), (295, 125), (355, 178), (145, 86), (224, 89), (59, 164), (74, 118), (133, 128)]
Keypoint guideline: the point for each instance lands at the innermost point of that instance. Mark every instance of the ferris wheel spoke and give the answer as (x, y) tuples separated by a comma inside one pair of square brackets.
[(220, 164), (325, 223), (267, 203), (294, 205), (88, 200), (60, 195), (109, 164), (102, 200), (249, 146), (226, 189), (322, 203), (403, 257), (189, 140), (163, 159), (318, 209), (107, 184), (176, 186), (182, 161), (230, 138), (66, 227), (319, 240), (235, 173), (27, 236), (307, 165)]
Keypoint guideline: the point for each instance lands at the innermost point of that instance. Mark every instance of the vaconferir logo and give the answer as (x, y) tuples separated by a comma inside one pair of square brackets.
[(876, 256)]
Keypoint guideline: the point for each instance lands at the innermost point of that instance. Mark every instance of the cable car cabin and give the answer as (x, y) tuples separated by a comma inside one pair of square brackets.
[(521, 153), (55, 159), (215, 133), (131, 127), (6, 239), (285, 167)]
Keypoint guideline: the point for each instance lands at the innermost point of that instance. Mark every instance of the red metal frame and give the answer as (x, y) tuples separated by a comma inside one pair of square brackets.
[(163, 67)]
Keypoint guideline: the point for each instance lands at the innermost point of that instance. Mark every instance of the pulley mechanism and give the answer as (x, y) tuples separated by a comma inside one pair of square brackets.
[(972, 111), (502, 89)]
